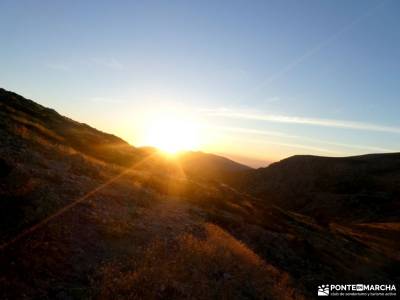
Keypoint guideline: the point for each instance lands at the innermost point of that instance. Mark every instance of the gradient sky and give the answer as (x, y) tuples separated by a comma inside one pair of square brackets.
[(265, 79)]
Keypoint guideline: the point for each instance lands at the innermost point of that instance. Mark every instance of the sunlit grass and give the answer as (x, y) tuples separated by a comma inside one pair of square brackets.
[(220, 266)]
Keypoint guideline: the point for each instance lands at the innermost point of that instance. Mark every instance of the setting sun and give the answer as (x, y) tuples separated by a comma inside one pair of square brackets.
[(173, 134), (199, 149)]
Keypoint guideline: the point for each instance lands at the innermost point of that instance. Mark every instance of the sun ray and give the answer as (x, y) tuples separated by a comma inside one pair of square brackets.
[(172, 134)]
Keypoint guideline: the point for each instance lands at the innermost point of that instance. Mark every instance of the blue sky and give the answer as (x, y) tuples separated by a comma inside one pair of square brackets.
[(266, 79)]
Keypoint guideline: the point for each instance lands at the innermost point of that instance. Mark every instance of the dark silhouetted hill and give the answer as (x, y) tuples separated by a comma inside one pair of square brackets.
[(209, 166), (43, 123), (84, 215), (358, 188)]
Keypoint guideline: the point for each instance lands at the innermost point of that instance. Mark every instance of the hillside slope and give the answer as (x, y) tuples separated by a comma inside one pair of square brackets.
[(202, 165), (41, 123), (18, 113), (360, 188), (76, 224)]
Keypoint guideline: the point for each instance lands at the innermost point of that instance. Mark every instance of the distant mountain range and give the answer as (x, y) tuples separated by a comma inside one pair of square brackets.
[(85, 215), (359, 188)]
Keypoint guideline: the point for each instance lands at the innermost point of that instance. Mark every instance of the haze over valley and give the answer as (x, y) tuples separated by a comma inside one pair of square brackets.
[(199, 150), (86, 215)]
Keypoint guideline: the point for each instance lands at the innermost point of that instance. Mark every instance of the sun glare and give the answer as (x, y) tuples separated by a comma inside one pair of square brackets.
[(172, 135)]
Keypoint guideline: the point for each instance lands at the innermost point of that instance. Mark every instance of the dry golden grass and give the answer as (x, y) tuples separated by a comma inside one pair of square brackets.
[(114, 222), (28, 129), (213, 265)]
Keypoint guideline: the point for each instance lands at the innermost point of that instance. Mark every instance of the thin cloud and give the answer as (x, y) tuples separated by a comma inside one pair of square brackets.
[(317, 48), (303, 138), (295, 145), (254, 131), (107, 100), (111, 63), (272, 100), (307, 121), (58, 67), (269, 142), (307, 147), (360, 147)]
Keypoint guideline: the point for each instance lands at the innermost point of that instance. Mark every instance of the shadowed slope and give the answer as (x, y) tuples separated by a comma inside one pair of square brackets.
[(359, 188), (28, 117), (176, 235), (209, 166)]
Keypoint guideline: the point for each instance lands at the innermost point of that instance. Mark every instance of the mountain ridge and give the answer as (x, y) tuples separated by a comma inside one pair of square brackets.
[(303, 182), (82, 224), (120, 151)]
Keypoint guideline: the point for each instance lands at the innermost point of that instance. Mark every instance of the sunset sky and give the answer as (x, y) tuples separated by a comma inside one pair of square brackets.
[(255, 80)]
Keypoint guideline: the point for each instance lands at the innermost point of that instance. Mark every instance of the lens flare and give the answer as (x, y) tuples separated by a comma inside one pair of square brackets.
[(173, 134)]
